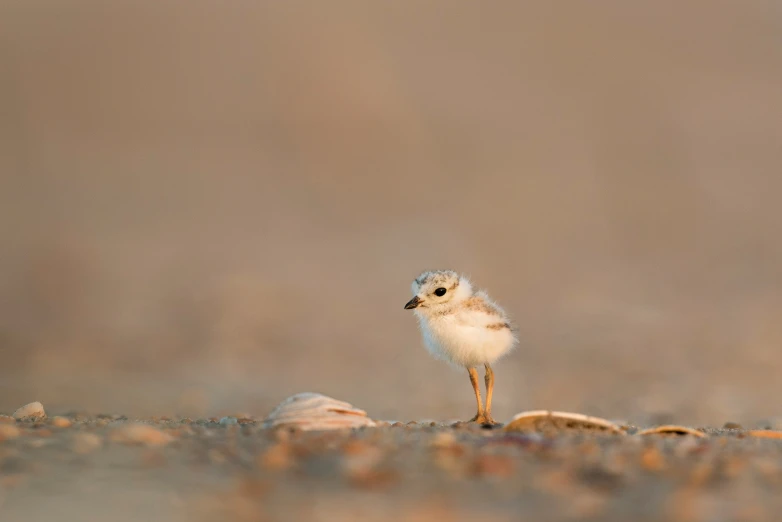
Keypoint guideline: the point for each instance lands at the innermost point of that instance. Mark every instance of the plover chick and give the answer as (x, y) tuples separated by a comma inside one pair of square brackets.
[(463, 327)]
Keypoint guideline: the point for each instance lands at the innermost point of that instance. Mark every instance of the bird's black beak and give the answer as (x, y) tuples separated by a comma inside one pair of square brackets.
[(413, 303)]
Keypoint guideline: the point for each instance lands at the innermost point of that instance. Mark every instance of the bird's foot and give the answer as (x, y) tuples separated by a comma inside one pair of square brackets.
[(484, 419)]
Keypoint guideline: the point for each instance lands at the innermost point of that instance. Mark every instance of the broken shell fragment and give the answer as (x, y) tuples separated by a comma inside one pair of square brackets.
[(557, 421), (672, 429), (313, 411), (765, 434)]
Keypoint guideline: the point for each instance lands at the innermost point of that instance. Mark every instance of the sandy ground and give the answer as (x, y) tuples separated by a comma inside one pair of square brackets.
[(80, 467)]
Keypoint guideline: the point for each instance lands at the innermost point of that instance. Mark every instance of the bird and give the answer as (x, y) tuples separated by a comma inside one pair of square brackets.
[(463, 327)]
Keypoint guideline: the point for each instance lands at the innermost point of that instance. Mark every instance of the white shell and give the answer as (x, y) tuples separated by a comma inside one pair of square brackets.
[(313, 411), (32, 411), (559, 421)]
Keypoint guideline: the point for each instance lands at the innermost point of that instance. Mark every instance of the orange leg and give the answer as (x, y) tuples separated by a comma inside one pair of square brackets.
[(479, 417), (489, 378)]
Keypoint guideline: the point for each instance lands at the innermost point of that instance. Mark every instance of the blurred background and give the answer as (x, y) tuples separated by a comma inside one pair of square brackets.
[(206, 207)]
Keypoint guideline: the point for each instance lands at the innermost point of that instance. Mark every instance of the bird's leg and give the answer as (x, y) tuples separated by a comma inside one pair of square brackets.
[(489, 378), (479, 417)]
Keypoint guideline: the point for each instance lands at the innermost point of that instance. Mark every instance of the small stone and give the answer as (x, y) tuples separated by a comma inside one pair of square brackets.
[(153, 458), (9, 431), (451, 460), (587, 504), (83, 443), (497, 465), (277, 457), (61, 422), (227, 421), (652, 459), (444, 439), (183, 431), (216, 456), (360, 466), (140, 435), (732, 426), (37, 443), (32, 411), (733, 466)]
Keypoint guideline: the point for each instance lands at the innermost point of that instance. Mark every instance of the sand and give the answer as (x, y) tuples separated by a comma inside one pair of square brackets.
[(108, 467)]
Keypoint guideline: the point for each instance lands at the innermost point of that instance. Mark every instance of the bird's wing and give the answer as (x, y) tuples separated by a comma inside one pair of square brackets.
[(480, 311)]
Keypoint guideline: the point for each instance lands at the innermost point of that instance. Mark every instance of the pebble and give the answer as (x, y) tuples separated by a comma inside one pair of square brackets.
[(444, 439), (496, 465), (37, 443), (153, 458), (32, 411), (227, 421), (652, 459), (139, 435), (9, 431), (360, 466), (276, 458), (83, 443), (61, 422)]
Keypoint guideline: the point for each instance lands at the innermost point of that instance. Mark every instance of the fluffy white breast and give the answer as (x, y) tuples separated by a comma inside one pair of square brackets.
[(467, 337)]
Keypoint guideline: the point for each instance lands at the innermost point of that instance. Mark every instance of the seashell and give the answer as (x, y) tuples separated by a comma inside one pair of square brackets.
[(558, 421), (765, 434), (32, 411), (313, 411), (672, 429)]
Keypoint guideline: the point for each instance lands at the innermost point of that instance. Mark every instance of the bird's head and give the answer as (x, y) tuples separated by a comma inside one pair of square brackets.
[(438, 289)]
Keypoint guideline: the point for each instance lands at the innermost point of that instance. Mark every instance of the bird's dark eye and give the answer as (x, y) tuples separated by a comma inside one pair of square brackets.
[(440, 292)]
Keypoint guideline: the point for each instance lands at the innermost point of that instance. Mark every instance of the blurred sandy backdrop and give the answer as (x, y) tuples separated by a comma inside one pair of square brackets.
[(208, 206)]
